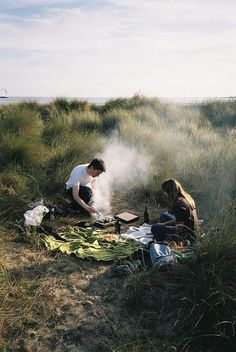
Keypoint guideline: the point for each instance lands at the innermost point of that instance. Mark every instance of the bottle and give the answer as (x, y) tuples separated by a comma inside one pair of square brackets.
[(146, 216), (117, 227), (52, 214)]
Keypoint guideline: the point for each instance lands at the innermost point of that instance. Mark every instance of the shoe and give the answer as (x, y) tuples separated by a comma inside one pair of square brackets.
[(127, 268)]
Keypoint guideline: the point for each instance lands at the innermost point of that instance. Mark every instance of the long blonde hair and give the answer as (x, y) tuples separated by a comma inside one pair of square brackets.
[(174, 190)]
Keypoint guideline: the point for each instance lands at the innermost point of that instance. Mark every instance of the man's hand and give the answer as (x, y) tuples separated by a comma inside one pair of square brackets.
[(91, 209)]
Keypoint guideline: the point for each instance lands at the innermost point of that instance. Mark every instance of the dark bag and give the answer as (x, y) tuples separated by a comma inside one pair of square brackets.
[(161, 256)]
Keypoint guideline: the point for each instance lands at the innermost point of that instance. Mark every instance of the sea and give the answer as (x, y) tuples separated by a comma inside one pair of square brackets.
[(102, 100), (46, 100)]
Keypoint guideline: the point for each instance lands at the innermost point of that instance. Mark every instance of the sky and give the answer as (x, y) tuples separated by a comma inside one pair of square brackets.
[(118, 48)]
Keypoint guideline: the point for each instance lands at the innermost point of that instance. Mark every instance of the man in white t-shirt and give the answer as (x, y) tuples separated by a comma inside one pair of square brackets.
[(81, 184)]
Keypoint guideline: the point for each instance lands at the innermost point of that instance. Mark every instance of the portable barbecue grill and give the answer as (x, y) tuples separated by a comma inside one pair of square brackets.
[(105, 222), (109, 220)]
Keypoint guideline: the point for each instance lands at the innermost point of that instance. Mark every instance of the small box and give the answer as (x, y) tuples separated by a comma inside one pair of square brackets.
[(127, 217)]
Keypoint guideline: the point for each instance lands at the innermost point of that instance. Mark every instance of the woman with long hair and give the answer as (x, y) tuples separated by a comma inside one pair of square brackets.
[(181, 221)]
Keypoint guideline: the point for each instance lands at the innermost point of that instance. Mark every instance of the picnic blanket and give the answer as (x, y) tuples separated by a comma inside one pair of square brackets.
[(91, 244)]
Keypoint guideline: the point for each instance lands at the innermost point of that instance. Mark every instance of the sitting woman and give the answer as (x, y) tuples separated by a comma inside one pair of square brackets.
[(181, 222)]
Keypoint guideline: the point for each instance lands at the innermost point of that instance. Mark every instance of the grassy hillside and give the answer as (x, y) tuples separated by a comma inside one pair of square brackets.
[(185, 310)]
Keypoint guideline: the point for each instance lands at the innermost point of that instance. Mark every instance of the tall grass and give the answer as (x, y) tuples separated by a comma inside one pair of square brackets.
[(180, 141), (26, 301), (180, 145), (193, 307), (65, 105), (189, 309), (220, 113), (20, 137), (129, 103)]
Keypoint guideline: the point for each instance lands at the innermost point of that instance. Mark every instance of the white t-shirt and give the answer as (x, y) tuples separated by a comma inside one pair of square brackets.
[(80, 177)]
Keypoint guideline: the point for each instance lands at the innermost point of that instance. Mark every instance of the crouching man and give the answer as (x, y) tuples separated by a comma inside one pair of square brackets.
[(81, 184)]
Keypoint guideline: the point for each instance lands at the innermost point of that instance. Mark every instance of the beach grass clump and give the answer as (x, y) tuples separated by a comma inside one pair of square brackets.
[(32, 105), (25, 151), (219, 113), (13, 207), (148, 117), (20, 138), (134, 102), (67, 105), (17, 189), (44, 112), (210, 172), (20, 121), (60, 104), (75, 146), (13, 181), (86, 121), (58, 126), (80, 105), (111, 121), (135, 133), (66, 124), (114, 119)]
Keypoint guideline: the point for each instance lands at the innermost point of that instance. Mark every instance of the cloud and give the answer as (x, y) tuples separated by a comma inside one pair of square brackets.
[(13, 4), (118, 47)]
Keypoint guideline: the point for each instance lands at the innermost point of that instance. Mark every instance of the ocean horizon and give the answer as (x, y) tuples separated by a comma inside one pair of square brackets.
[(102, 100), (47, 100)]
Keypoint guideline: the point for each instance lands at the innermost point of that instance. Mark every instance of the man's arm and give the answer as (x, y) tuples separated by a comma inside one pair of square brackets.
[(75, 192)]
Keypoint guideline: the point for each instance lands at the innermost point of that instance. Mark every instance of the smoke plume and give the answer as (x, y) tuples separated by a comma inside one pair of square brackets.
[(126, 166)]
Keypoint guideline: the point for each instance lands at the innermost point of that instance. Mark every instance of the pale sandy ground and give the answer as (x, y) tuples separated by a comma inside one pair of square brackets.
[(87, 295), (86, 298)]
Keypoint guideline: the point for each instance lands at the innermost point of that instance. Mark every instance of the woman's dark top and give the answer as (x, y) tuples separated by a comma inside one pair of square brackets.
[(185, 214)]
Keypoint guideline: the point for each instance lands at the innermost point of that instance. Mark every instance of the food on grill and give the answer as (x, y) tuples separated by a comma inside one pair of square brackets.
[(104, 221)]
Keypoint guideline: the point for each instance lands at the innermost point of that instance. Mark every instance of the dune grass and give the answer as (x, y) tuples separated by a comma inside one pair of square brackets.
[(26, 300), (181, 141), (220, 113), (191, 308)]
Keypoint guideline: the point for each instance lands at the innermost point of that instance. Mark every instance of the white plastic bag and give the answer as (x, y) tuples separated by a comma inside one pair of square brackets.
[(34, 217)]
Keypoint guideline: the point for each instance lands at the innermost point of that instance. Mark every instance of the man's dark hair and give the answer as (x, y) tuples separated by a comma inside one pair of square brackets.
[(98, 164)]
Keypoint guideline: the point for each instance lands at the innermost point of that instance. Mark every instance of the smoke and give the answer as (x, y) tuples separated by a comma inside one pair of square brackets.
[(180, 145), (126, 166)]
